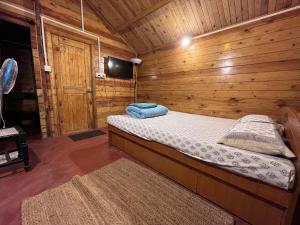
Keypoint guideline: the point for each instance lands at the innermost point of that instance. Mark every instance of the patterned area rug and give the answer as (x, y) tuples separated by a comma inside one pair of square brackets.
[(122, 193)]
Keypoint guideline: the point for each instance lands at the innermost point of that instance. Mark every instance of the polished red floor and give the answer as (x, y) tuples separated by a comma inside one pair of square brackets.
[(54, 161)]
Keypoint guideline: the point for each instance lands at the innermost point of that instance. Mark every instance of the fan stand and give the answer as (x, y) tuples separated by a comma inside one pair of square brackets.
[(18, 155), (8, 76)]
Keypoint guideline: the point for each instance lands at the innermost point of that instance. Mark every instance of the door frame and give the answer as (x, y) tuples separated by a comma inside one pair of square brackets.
[(51, 76)]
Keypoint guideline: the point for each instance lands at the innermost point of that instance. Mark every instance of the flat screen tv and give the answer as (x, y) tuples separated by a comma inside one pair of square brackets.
[(118, 68)]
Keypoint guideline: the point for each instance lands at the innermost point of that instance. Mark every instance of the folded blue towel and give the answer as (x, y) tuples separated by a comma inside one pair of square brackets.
[(136, 112), (144, 105)]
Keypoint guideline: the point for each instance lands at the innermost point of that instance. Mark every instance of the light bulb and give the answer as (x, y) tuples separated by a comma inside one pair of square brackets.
[(186, 41)]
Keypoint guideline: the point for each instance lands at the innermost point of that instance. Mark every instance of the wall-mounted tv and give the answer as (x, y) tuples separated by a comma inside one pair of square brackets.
[(118, 68)]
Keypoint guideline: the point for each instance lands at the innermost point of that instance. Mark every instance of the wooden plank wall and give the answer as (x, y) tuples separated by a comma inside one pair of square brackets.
[(251, 69), (27, 4), (112, 95)]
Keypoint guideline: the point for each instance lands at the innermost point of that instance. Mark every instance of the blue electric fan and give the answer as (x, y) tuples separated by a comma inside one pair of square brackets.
[(8, 76)]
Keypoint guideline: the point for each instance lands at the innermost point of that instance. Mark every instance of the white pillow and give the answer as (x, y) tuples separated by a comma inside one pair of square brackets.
[(261, 119), (256, 118), (257, 137)]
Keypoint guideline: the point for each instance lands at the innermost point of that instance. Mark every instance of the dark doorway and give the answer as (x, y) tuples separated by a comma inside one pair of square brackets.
[(20, 106)]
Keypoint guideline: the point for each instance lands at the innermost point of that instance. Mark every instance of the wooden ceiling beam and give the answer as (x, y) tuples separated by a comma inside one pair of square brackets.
[(101, 16), (122, 28)]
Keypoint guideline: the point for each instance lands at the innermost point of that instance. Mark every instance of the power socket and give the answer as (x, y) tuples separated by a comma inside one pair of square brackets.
[(47, 68), (101, 75)]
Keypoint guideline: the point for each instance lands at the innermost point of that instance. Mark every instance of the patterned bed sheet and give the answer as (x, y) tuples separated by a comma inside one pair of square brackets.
[(197, 136)]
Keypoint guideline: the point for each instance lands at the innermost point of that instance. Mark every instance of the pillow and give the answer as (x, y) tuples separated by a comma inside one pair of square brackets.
[(256, 118), (257, 137), (261, 119)]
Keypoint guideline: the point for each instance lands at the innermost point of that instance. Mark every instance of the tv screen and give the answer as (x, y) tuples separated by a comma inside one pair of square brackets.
[(118, 68)]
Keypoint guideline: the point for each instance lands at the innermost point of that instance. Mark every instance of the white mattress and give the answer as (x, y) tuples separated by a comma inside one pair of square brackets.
[(197, 136)]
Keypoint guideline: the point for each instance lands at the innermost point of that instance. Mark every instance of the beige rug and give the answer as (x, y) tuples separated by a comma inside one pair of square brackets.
[(122, 193)]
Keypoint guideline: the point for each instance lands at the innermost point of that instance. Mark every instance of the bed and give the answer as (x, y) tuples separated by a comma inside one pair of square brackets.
[(260, 189)]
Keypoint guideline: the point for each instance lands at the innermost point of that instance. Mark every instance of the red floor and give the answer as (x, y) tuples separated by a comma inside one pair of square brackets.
[(54, 161)]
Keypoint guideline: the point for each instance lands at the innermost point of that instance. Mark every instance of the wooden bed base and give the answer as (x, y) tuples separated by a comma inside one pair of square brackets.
[(255, 202)]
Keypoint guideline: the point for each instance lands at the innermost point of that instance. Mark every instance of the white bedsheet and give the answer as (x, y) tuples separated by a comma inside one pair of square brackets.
[(197, 136)]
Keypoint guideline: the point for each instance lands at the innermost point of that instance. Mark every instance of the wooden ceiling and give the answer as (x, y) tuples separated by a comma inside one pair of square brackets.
[(151, 24)]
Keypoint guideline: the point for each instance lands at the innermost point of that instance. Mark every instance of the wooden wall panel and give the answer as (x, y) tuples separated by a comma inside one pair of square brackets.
[(251, 69), (112, 95), (28, 4)]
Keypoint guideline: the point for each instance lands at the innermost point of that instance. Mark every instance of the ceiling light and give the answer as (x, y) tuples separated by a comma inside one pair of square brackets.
[(136, 60), (186, 41)]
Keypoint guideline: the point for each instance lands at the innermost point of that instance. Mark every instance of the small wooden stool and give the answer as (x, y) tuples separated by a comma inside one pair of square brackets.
[(18, 155)]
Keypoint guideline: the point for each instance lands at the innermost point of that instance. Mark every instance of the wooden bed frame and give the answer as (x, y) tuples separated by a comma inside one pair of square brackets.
[(254, 201)]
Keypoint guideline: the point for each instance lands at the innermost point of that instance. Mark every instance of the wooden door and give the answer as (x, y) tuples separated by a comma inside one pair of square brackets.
[(73, 77)]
